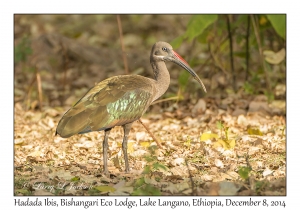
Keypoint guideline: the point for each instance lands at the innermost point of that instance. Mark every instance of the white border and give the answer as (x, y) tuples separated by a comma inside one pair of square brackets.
[(8, 8)]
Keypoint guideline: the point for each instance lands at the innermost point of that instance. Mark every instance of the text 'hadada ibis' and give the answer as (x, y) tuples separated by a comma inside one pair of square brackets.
[(121, 100)]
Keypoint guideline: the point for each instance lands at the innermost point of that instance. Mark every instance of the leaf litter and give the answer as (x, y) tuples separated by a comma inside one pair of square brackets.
[(228, 151)]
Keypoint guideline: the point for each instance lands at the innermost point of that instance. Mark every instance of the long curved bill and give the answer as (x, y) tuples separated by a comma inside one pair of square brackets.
[(175, 58)]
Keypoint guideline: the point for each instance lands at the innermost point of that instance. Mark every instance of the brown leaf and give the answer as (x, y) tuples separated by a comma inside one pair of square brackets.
[(228, 188), (219, 163), (274, 58)]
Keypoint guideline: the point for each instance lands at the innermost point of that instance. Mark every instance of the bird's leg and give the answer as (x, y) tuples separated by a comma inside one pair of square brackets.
[(126, 128), (105, 147)]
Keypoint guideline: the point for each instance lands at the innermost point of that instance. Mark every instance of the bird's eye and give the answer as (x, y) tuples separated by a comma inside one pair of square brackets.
[(164, 49)]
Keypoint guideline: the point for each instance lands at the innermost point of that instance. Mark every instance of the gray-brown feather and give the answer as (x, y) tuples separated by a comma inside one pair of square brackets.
[(112, 102)]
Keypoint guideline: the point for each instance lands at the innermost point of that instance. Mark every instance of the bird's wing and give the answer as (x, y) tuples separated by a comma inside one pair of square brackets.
[(114, 101)]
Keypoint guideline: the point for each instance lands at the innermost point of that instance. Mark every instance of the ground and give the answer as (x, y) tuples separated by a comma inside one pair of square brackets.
[(199, 156)]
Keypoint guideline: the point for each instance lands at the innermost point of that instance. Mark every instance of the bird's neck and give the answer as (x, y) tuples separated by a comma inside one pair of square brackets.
[(161, 77)]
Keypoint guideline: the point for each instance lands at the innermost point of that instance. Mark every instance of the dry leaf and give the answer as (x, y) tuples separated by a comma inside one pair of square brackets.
[(116, 161), (18, 141), (176, 188), (105, 188), (226, 144), (145, 144), (254, 131), (66, 175), (267, 172), (219, 163), (208, 136), (42, 192), (86, 145), (228, 188), (130, 148), (274, 58), (140, 136), (207, 177), (241, 120), (151, 181), (36, 153), (177, 161)]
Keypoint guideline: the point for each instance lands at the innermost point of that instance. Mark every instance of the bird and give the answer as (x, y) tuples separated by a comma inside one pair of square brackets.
[(121, 100)]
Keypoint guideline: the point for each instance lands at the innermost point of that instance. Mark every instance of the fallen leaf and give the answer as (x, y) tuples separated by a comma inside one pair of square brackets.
[(219, 163), (151, 181), (140, 136), (50, 122), (177, 161), (233, 174), (274, 58), (61, 174), (105, 188), (253, 150), (254, 131), (42, 192), (119, 184), (145, 144), (124, 190), (228, 188), (18, 141), (22, 191), (176, 188), (226, 144), (179, 170), (208, 136), (207, 177), (36, 153), (213, 188), (130, 148), (267, 172), (199, 108), (116, 161), (241, 120), (86, 145)]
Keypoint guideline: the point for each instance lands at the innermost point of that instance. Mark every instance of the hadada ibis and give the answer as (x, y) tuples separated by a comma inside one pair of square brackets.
[(121, 100)]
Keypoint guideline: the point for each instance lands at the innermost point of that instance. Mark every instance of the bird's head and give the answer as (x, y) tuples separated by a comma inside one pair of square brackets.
[(162, 51)]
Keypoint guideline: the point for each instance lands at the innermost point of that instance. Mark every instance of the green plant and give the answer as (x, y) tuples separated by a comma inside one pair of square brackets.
[(152, 163), (187, 143), (244, 172), (195, 27), (226, 142), (260, 186), (22, 50), (250, 34), (145, 184), (142, 188), (278, 22)]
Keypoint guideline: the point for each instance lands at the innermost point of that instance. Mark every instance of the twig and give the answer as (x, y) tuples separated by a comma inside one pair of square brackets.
[(231, 53), (191, 179), (261, 53), (166, 99), (152, 136), (65, 66), (122, 44), (217, 62), (247, 47), (211, 56), (39, 87), (29, 92)]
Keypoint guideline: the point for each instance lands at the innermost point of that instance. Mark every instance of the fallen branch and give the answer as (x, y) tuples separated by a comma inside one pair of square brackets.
[(152, 136)]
